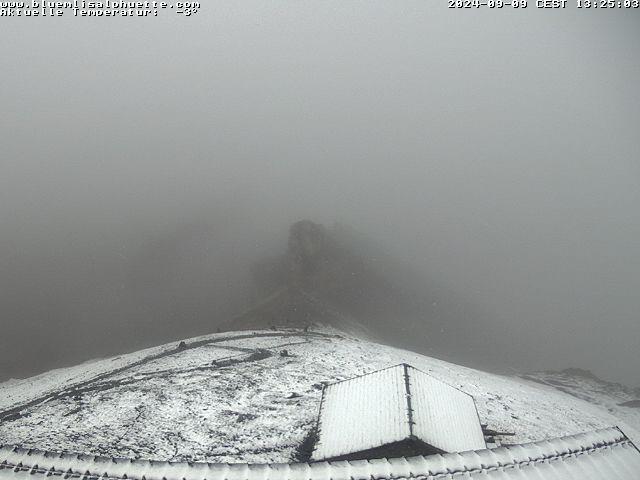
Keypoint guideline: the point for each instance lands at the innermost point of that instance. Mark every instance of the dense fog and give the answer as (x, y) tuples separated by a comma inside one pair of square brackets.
[(147, 163)]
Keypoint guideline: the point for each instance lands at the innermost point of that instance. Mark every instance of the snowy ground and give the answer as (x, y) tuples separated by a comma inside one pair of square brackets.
[(609, 396), (232, 397)]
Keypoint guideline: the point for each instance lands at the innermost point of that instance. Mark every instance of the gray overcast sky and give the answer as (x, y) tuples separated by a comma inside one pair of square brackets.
[(496, 149)]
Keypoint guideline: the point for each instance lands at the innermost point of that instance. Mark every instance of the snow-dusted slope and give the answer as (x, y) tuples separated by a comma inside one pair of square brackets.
[(620, 401), (236, 397)]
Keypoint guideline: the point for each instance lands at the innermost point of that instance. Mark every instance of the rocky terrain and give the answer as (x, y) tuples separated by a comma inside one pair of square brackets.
[(253, 396), (619, 400), (250, 392)]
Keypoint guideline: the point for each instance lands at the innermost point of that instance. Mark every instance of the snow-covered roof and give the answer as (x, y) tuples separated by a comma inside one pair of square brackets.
[(601, 455), (392, 405)]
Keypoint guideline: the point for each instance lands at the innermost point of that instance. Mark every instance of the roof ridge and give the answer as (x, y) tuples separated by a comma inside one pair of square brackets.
[(407, 388)]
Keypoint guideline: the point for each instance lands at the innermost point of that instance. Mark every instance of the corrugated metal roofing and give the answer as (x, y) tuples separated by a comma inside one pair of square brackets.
[(443, 416), (601, 455), (363, 413), (392, 405)]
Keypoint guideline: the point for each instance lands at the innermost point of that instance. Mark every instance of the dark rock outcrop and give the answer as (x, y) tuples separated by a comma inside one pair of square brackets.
[(317, 280)]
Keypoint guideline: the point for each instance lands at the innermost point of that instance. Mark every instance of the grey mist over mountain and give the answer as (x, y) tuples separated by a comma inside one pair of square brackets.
[(490, 155)]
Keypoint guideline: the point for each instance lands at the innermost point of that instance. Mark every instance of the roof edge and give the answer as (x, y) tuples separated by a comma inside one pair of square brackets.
[(87, 467)]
